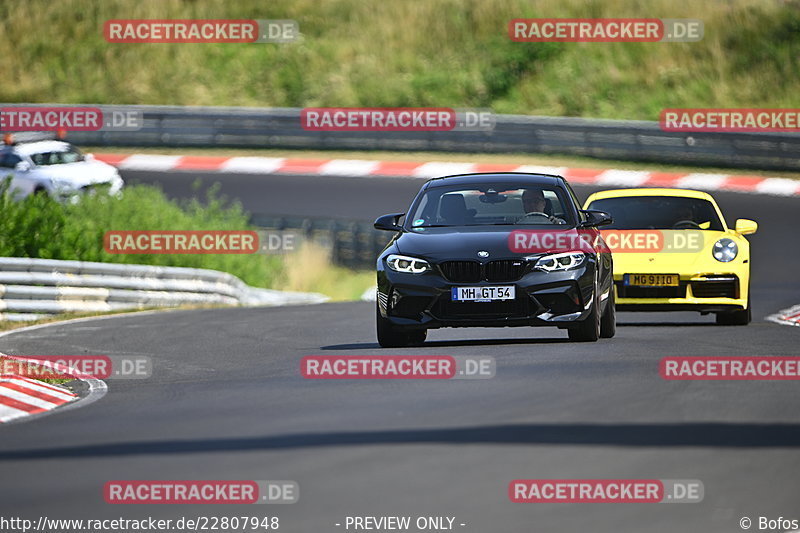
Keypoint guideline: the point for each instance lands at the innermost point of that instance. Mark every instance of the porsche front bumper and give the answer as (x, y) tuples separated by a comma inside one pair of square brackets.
[(712, 292)]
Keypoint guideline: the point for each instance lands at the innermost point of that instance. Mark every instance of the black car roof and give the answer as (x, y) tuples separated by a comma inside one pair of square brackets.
[(496, 177)]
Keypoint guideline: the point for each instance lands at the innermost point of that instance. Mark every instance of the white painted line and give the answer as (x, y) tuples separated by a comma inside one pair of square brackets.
[(622, 178), (348, 167), (705, 182), (436, 169), (779, 187), (149, 162), (252, 165)]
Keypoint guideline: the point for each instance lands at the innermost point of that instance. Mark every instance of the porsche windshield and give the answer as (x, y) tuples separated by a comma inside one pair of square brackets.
[(659, 212), (499, 204)]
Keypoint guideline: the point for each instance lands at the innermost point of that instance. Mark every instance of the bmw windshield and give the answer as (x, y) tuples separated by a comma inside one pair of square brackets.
[(491, 205)]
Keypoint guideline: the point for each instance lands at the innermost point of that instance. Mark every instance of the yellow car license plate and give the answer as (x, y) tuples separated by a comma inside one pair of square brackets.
[(652, 280)]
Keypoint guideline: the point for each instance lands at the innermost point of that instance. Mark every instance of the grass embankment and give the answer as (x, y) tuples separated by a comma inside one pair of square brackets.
[(426, 53), (42, 228)]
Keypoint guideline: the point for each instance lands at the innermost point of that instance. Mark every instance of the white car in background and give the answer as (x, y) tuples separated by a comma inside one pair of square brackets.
[(55, 167)]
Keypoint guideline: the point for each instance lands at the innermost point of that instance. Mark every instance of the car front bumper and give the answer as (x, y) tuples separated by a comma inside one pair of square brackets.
[(423, 301), (703, 292), (110, 187)]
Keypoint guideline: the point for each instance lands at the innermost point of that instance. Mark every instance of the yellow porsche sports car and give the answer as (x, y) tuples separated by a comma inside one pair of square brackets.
[(673, 251)]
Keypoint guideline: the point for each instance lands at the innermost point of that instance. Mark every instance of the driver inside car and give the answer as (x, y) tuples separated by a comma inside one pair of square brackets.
[(537, 208), (688, 219)]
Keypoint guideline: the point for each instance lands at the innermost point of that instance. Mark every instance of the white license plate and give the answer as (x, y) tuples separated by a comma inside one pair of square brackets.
[(482, 294)]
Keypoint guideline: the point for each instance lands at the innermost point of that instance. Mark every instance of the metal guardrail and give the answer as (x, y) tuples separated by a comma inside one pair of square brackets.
[(242, 127), (33, 288)]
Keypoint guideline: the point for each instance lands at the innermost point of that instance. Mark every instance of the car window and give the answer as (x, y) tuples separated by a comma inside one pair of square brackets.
[(659, 212), (71, 155), (500, 204)]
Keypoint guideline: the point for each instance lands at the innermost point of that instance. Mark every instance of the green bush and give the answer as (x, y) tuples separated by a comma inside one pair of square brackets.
[(41, 227)]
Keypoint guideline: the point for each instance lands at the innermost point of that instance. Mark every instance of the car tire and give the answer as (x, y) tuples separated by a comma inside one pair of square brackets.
[(608, 322), (735, 318), (417, 338), (587, 330), (390, 336)]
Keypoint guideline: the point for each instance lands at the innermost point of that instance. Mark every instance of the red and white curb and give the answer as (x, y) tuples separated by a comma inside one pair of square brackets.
[(20, 397), (365, 168), (786, 317), (42, 406)]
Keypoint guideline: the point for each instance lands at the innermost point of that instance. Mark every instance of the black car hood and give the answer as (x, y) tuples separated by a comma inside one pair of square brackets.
[(466, 241)]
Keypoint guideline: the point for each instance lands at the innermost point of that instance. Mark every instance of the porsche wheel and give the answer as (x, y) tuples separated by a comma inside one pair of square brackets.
[(735, 318)]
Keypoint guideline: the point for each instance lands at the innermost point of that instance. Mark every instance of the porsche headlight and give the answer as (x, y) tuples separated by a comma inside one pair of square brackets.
[(562, 261), (409, 265), (725, 250)]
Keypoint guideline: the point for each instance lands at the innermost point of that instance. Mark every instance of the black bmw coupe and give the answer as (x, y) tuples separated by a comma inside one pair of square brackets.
[(494, 250)]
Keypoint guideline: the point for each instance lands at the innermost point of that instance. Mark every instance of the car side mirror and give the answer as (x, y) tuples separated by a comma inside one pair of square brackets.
[(745, 226), (22, 166), (88, 157), (595, 218), (389, 222)]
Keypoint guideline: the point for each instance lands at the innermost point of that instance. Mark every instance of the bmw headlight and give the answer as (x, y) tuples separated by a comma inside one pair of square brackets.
[(562, 261), (409, 265), (725, 250)]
